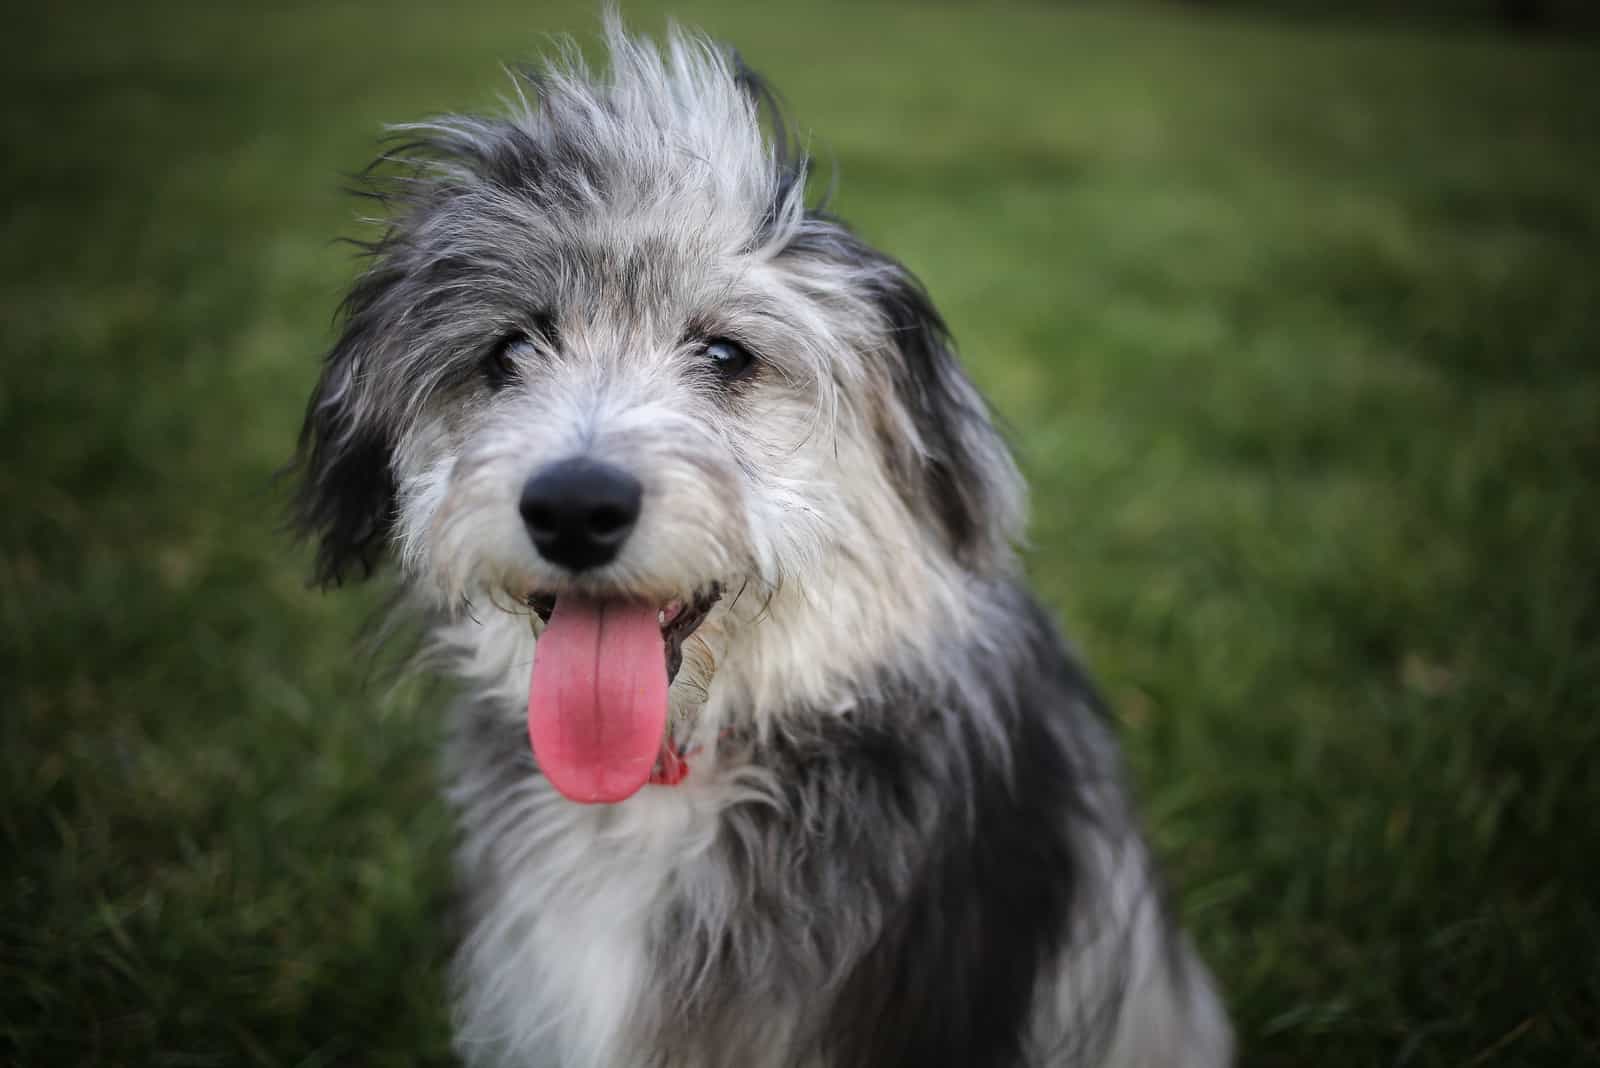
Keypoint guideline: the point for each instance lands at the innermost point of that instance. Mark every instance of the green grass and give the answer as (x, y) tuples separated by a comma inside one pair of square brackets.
[(1299, 333)]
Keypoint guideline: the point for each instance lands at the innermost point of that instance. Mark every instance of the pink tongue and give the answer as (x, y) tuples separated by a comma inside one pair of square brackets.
[(597, 704)]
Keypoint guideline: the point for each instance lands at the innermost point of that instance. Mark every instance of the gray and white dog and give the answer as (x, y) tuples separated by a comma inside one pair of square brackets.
[(695, 498)]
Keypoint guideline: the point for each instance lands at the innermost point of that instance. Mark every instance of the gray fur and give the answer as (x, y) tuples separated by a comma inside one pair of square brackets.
[(905, 838)]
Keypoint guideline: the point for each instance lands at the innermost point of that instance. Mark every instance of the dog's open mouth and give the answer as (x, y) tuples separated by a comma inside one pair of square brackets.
[(678, 619), (597, 701)]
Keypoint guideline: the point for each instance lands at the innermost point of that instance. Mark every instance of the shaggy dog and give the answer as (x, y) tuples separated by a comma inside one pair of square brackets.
[(765, 755)]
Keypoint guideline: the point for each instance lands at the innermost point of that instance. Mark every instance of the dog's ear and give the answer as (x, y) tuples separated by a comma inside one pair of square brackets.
[(949, 460), (959, 464), (345, 496)]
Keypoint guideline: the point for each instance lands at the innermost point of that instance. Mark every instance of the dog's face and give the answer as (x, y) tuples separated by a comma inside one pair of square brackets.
[(605, 365)]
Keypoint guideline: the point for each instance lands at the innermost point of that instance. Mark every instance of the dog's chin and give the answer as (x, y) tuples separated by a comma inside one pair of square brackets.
[(678, 617)]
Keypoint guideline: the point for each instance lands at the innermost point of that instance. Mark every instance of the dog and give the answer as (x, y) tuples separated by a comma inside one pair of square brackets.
[(764, 754)]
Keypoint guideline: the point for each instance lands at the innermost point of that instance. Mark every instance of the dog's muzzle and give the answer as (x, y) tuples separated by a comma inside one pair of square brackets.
[(579, 512)]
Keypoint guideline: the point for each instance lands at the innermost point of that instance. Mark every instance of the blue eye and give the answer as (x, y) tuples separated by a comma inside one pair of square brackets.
[(731, 359)]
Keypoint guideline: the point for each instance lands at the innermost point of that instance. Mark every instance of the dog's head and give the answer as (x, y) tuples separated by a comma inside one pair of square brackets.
[(604, 362)]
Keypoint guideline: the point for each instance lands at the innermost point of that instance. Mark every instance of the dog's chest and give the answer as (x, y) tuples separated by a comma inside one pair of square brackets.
[(573, 949), (607, 881), (592, 950)]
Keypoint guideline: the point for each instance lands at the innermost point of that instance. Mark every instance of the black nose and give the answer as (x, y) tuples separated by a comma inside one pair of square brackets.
[(580, 511)]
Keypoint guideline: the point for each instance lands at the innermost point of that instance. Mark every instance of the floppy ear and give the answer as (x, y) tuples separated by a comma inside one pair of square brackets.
[(960, 466), (346, 494), (949, 461)]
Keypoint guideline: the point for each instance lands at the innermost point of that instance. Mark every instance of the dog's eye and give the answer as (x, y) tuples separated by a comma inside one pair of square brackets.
[(731, 359), (499, 364)]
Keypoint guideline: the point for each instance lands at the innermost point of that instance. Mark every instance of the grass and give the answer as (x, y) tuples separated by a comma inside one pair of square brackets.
[(1299, 333)]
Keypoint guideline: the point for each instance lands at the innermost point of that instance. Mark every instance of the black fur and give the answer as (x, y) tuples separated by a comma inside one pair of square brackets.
[(954, 852), (949, 418), (346, 494), (952, 979), (948, 477)]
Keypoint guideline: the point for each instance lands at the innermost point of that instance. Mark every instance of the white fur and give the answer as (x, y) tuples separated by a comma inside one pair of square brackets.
[(798, 497)]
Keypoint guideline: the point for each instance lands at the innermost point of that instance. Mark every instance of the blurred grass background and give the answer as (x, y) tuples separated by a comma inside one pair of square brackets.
[(1297, 325)]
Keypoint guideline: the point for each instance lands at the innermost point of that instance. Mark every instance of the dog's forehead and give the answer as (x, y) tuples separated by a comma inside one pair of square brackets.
[(634, 265), (651, 276)]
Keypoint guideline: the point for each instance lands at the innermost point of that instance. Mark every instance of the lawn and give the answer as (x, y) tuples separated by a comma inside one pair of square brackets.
[(1298, 332)]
